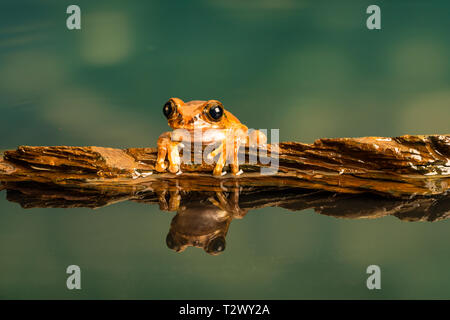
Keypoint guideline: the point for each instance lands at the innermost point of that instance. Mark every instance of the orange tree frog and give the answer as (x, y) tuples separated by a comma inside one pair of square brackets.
[(216, 125)]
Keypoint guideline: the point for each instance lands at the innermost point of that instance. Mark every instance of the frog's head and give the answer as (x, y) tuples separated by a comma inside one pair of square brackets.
[(197, 114)]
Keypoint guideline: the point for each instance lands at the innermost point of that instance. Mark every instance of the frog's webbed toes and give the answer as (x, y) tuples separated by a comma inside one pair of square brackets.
[(168, 148), (231, 153), (219, 151)]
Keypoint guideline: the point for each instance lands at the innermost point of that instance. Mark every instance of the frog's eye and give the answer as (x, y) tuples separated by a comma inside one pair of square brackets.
[(216, 245), (215, 112), (169, 109)]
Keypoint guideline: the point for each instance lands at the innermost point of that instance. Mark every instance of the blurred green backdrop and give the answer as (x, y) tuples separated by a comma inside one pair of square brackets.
[(310, 68)]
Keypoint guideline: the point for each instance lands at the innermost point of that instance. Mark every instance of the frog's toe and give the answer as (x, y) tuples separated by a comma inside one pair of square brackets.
[(174, 200), (235, 169), (218, 171), (174, 168), (161, 166)]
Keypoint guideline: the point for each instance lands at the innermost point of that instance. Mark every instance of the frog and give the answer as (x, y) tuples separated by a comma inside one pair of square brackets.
[(217, 125), (203, 220)]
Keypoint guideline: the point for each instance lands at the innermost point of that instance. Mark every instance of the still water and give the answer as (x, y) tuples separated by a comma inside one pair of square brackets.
[(309, 68)]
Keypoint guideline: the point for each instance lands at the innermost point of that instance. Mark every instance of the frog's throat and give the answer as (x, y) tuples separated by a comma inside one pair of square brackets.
[(199, 136)]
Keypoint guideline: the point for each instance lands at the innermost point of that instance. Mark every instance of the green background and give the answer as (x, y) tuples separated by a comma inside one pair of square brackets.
[(310, 68)]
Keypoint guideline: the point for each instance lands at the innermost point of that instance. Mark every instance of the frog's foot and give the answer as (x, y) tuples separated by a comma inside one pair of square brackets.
[(221, 152), (169, 148), (229, 204), (174, 200), (226, 150)]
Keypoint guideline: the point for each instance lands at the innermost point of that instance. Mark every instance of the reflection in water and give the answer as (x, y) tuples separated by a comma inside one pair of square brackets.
[(203, 217), (204, 223)]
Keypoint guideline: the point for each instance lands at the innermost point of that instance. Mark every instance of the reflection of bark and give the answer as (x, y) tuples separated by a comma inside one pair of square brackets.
[(351, 206), (360, 206), (399, 167)]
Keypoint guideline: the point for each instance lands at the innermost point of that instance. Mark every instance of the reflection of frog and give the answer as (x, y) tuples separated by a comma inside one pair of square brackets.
[(203, 223), (215, 124)]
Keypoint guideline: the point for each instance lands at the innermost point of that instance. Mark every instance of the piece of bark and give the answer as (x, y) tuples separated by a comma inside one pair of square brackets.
[(397, 167)]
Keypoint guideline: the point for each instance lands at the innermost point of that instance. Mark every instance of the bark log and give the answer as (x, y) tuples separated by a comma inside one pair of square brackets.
[(405, 166)]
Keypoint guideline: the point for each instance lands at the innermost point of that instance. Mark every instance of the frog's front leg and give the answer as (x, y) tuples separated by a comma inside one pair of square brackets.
[(221, 151), (228, 149), (169, 148), (230, 205)]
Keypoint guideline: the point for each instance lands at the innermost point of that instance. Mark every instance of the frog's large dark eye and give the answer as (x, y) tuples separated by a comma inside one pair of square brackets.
[(215, 112), (216, 245), (169, 109)]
